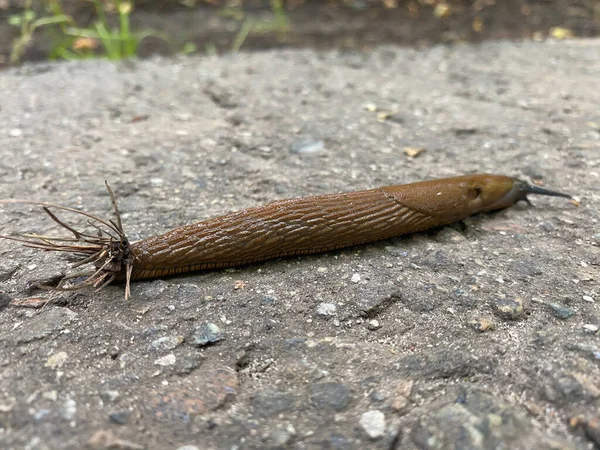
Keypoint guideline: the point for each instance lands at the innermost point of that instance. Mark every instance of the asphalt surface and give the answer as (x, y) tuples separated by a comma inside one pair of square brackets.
[(479, 335)]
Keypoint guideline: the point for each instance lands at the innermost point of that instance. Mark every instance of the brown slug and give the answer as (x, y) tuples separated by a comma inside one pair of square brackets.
[(283, 228)]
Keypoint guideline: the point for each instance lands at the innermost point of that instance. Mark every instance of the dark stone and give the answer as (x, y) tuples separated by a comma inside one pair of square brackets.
[(205, 334), (592, 430), (270, 402), (120, 418), (330, 395), (562, 312), (7, 269), (4, 300), (445, 364), (188, 363)]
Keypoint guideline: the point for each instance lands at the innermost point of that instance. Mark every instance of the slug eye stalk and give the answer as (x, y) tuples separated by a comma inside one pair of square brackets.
[(108, 250), (526, 188)]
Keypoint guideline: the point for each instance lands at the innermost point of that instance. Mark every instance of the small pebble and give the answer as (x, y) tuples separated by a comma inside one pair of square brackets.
[(377, 396), (56, 360), (167, 360), (15, 132), (509, 309), (38, 416), (166, 342), (268, 300), (188, 362), (373, 324), (281, 438), (396, 251), (109, 396), (587, 298), (307, 146), (562, 312), (69, 409), (373, 422), (326, 309), (183, 117), (413, 152), (448, 234), (355, 278), (50, 395), (482, 324), (120, 418), (590, 328), (547, 226), (188, 447), (206, 333), (400, 398)]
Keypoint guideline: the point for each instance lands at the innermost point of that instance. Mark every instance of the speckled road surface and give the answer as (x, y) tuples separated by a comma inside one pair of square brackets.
[(480, 335)]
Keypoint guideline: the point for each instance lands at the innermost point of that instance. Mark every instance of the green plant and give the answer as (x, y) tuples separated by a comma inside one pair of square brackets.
[(279, 24), (70, 41), (28, 23)]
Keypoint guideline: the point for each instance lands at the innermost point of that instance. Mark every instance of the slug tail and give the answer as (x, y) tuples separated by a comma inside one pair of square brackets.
[(106, 249)]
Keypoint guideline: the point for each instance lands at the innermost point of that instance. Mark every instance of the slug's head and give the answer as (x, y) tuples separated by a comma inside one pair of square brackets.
[(451, 199), (494, 192)]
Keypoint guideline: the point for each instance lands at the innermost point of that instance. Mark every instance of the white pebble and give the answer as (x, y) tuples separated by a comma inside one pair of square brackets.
[(167, 360), (326, 309), (373, 422), (69, 409), (355, 278), (373, 324)]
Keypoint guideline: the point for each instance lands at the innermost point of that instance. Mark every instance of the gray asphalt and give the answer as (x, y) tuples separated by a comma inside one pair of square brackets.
[(372, 347)]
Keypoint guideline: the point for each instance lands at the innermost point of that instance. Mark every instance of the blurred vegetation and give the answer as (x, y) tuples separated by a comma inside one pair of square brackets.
[(119, 41), (71, 41), (77, 29)]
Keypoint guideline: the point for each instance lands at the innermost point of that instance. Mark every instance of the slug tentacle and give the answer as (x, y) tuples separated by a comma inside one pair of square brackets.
[(526, 188), (291, 227)]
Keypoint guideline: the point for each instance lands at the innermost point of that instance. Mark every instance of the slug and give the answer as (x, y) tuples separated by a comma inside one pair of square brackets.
[(282, 228)]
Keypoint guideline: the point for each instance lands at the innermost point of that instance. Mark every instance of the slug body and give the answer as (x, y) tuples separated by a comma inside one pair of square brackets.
[(322, 223), (283, 228)]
